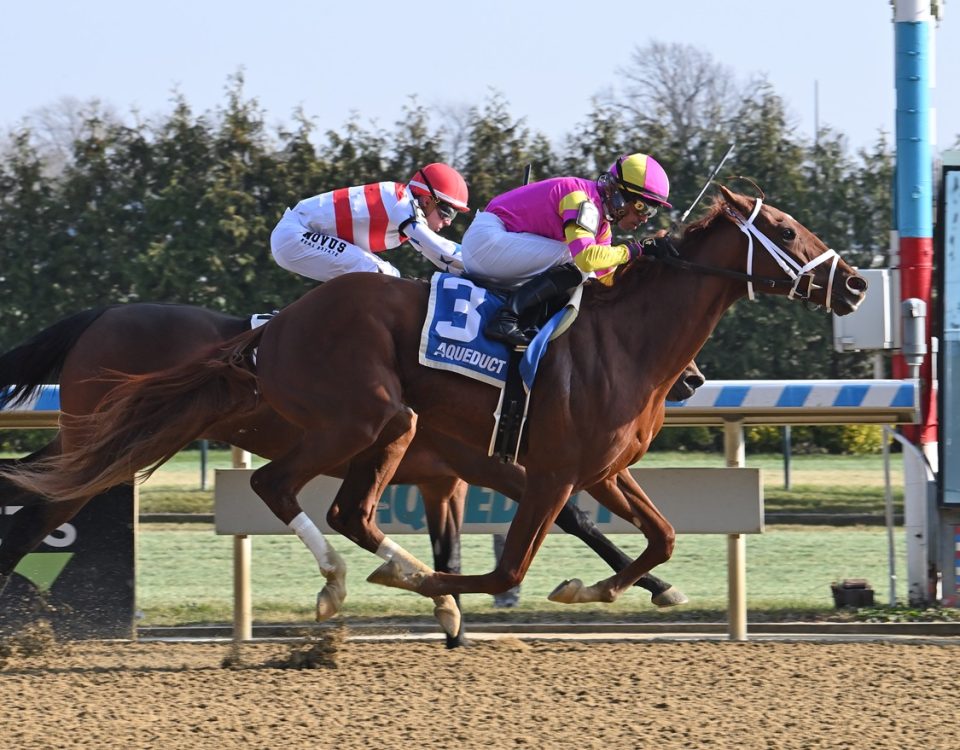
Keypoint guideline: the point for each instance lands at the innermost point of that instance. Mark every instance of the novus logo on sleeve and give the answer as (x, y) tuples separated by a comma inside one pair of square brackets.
[(323, 242)]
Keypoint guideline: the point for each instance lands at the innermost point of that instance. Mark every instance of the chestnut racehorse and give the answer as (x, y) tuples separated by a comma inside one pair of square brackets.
[(341, 363), (136, 338)]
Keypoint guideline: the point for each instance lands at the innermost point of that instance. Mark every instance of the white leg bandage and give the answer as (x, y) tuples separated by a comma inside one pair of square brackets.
[(311, 536), (408, 564), (387, 549), (404, 571)]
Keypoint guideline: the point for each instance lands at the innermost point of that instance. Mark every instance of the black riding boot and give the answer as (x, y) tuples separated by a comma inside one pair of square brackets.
[(505, 324)]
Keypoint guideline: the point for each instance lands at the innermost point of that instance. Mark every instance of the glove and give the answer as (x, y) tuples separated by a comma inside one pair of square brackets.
[(653, 247)]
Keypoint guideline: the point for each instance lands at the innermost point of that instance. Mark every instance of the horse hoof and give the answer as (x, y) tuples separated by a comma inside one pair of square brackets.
[(392, 574), (447, 613), (327, 605), (670, 598), (458, 642), (386, 575), (566, 592), (330, 599)]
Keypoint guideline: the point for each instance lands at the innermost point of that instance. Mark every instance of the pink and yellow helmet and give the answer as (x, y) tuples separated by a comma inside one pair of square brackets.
[(641, 176)]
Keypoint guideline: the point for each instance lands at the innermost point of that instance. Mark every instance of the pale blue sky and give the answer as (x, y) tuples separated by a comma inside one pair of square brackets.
[(547, 57)]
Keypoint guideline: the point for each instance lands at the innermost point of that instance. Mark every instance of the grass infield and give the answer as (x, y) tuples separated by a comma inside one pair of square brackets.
[(185, 571), (818, 483), (185, 576)]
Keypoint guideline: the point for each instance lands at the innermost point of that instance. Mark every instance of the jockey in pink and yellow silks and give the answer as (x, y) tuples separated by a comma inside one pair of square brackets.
[(523, 210), (552, 234)]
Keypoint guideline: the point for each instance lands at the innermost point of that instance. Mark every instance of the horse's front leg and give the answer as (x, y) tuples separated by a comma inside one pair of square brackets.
[(623, 496), (572, 520), (443, 501)]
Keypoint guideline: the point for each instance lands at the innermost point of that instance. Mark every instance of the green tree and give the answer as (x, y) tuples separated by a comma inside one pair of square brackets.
[(26, 213), (300, 168), (244, 199), (179, 233), (871, 204), (100, 211), (771, 337), (594, 144), (768, 152), (499, 148)]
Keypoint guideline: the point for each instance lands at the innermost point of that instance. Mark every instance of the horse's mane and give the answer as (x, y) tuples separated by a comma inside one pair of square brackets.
[(715, 209), (640, 271)]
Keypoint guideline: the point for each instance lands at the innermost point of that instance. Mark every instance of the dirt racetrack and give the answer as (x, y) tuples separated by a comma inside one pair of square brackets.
[(497, 694)]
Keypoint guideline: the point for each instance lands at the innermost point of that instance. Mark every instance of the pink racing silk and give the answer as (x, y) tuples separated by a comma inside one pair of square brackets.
[(549, 209)]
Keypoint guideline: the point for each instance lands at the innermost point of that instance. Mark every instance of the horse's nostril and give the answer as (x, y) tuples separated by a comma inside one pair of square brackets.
[(695, 381), (857, 284)]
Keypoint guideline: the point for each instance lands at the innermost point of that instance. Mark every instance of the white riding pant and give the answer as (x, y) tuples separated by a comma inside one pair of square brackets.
[(320, 256), (492, 253)]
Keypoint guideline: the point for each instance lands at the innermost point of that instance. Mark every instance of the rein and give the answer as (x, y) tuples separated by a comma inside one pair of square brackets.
[(797, 274)]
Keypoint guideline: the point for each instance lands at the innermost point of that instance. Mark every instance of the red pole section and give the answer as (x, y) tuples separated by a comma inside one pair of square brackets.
[(916, 280)]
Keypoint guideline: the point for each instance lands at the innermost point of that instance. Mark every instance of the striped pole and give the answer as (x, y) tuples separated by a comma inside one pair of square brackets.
[(913, 35)]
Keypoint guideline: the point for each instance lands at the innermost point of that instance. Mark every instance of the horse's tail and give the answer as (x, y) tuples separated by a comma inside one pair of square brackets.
[(39, 361), (144, 421)]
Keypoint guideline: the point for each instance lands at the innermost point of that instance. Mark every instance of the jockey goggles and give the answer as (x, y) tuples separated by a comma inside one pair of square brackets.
[(446, 211), (646, 210)]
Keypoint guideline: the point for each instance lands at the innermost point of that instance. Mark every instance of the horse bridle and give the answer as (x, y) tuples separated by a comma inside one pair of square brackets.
[(797, 274)]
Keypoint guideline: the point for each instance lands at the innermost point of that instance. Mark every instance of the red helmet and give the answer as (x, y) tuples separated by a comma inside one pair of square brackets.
[(443, 183)]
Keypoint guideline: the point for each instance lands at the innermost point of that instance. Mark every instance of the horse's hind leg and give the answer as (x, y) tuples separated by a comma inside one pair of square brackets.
[(278, 482), (353, 514), (443, 501)]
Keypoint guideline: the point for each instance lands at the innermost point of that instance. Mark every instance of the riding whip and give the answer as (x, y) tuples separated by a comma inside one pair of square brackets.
[(713, 174)]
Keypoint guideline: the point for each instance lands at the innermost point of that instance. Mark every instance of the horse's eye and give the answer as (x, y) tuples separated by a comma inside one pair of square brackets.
[(788, 234)]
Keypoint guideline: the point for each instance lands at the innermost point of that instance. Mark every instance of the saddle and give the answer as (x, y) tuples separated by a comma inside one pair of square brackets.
[(510, 416)]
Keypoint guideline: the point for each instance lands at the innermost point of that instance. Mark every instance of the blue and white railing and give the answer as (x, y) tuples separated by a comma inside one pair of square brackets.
[(798, 402), (716, 402)]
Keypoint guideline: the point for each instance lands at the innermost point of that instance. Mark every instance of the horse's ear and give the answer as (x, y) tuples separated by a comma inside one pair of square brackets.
[(734, 200)]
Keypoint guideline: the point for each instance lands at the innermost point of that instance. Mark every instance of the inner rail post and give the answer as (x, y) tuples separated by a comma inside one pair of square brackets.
[(735, 455), (242, 555)]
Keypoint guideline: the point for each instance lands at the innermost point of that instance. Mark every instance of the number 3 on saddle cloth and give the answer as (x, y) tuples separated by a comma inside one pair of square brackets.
[(452, 339)]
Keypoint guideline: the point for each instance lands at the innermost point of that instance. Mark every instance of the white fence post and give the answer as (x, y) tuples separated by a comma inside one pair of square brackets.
[(242, 556), (734, 448)]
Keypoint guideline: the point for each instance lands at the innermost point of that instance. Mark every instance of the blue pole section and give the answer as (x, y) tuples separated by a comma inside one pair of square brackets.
[(914, 153)]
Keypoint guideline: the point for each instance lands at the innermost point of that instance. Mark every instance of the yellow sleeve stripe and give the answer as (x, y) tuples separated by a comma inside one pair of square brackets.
[(570, 204)]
